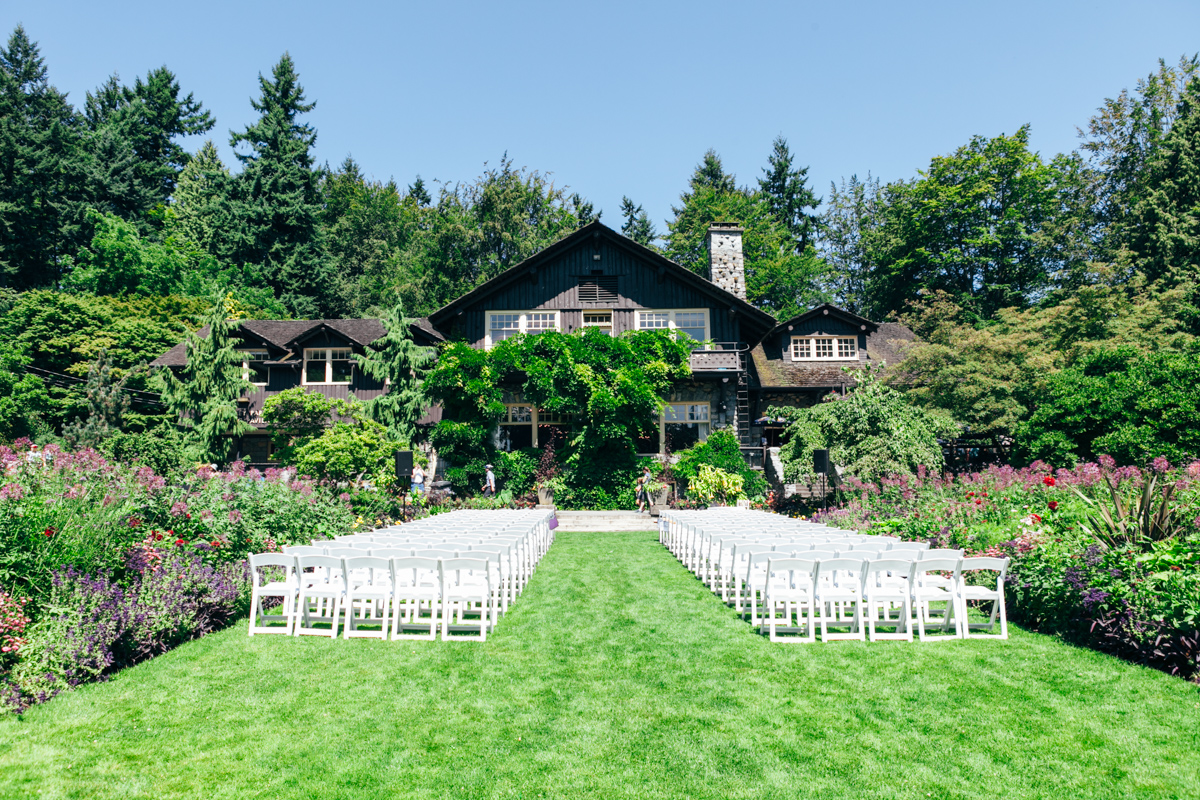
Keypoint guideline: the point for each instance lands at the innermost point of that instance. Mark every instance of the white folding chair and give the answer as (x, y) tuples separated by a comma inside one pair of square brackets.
[(882, 590), (790, 589), (326, 584), (968, 593), (927, 589), (466, 589), (417, 584), (368, 596), (839, 586), (285, 588)]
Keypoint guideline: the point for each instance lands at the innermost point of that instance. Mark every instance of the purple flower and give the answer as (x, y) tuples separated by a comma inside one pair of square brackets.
[(1160, 465), (1107, 462), (179, 509), (235, 515), (11, 491)]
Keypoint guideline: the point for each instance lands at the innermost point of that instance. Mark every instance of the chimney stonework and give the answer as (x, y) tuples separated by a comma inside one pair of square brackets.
[(726, 265)]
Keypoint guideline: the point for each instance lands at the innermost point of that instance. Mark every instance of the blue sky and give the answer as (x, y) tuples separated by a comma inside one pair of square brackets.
[(624, 98)]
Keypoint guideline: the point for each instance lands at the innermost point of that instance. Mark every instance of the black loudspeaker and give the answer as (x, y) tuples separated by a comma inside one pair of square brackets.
[(821, 462), (404, 464)]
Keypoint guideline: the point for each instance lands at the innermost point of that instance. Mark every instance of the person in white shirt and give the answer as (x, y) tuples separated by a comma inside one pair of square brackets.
[(418, 479), (489, 482)]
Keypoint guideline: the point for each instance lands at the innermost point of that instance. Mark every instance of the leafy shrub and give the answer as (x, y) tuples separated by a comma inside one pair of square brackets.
[(160, 449), (723, 451), (712, 484), (871, 432), (1131, 405)]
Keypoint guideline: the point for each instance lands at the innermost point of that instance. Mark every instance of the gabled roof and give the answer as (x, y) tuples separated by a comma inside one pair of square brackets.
[(829, 310), (763, 320), (287, 334)]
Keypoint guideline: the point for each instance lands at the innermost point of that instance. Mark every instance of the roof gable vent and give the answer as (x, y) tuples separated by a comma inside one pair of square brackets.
[(598, 289)]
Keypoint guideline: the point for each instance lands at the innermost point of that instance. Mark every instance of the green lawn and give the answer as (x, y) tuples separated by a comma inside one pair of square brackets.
[(616, 675)]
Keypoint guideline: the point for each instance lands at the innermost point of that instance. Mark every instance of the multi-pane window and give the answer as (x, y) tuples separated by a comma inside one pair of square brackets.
[(654, 320), (328, 365), (684, 424), (503, 324), (598, 319), (516, 428), (828, 348), (253, 373), (692, 323)]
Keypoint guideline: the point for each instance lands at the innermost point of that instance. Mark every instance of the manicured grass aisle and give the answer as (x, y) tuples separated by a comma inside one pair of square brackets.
[(616, 675)]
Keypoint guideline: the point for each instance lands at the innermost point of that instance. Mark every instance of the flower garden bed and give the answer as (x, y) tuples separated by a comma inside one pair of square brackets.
[(1135, 596), (103, 565)]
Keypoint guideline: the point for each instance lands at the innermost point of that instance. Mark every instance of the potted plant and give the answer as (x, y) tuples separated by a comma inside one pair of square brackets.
[(548, 478)]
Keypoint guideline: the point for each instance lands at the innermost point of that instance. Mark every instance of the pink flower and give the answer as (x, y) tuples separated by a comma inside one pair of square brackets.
[(1193, 469), (1107, 462), (11, 491), (235, 515), (179, 509), (1160, 465)]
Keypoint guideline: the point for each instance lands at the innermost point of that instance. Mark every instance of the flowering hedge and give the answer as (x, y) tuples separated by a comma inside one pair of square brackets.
[(104, 564), (1138, 598)]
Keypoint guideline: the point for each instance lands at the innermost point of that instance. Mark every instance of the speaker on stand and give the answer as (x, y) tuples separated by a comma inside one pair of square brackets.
[(821, 467)]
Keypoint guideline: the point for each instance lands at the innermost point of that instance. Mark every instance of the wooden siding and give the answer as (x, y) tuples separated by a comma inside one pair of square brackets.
[(554, 286)]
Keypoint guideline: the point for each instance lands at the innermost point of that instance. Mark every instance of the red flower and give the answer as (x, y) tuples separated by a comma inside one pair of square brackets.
[(189, 516), (970, 494), (216, 544), (1037, 518), (158, 537), (134, 522), (1048, 480), (1053, 504), (50, 531), (180, 542), (979, 501), (985, 494)]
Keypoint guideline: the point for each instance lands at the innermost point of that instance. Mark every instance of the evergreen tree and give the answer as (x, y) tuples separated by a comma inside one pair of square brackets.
[(41, 169), (147, 118), (203, 397), (278, 199), (583, 210), (788, 195), (400, 362), (845, 230), (419, 194), (200, 212), (1166, 220), (107, 402), (637, 224)]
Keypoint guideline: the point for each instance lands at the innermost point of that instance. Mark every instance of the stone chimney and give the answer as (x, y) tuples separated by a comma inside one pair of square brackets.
[(726, 266)]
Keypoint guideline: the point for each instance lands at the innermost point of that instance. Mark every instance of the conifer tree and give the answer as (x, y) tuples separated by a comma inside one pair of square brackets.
[(278, 198), (419, 194), (107, 405), (637, 225), (788, 195), (1166, 220), (203, 397), (199, 209), (403, 364), (41, 169)]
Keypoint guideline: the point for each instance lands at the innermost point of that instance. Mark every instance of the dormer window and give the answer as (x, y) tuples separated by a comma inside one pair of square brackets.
[(692, 322), (824, 348), (254, 374), (328, 365)]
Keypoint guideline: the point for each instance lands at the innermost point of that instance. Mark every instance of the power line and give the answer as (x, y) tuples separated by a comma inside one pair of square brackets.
[(67, 381)]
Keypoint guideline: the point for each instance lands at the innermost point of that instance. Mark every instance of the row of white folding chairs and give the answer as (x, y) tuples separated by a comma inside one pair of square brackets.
[(516, 561), (708, 548), (393, 596), (796, 594)]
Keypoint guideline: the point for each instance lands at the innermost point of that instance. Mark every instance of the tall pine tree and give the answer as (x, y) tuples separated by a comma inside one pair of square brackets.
[(278, 199), (200, 212), (403, 364), (637, 224), (42, 165), (788, 195)]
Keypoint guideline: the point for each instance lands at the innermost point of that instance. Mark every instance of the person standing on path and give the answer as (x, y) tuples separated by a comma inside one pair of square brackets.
[(643, 489), (418, 479), (489, 482)]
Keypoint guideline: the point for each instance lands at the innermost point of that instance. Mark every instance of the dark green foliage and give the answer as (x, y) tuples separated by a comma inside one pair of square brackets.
[(24, 401), (277, 198), (203, 397), (1165, 229), (1124, 403), (160, 448), (107, 404), (723, 451), (41, 169), (396, 359), (787, 193), (845, 240), (614, 385), (637, 225)]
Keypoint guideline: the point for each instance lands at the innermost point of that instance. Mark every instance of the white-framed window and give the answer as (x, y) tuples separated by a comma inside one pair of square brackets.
[(516, 427), (824, 348), (683, 424), (258, 377), (503, 324), (328, 365), (692, 322), (598, 319)]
